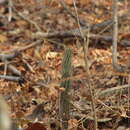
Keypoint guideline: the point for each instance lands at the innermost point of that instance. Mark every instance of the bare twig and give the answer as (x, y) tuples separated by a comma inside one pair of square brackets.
[(12, 78), (85, 50), (27, 19), (38, 42), (4, 58), (14, 70), (76, 32), (10, 5), (5, 67), (70, 33), (9, 56), (111, 91), (13, 53), (70, 12), (115, 38)]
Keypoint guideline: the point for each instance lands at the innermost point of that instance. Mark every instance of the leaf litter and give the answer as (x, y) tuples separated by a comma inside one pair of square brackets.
[(37, 97)]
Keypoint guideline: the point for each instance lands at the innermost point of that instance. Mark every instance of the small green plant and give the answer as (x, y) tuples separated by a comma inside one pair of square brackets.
[(66, 84)]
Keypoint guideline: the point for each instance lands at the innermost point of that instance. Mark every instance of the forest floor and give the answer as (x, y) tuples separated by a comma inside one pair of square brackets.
[(32, 41)]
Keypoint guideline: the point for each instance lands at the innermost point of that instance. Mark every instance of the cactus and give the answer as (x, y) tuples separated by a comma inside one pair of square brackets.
[(66, 84)]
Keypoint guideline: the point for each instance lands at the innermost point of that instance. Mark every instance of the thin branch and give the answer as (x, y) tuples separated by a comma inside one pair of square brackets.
[(14, 70), (10, 5), (9, 56), (11, 78), (13, 53), (70, 34), (85, 50), (71, 14), (76, 32), (27, 19), (5, 66), (38, 42), (115, 39), (115, 34), (114, 90)]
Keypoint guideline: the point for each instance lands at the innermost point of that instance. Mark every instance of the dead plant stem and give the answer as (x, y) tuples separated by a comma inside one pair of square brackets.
[(85, 50)]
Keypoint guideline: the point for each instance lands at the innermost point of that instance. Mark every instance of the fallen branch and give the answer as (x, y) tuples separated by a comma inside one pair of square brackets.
[(76, 32), (71, 33), (12, 54), (10, 5), (38, 42), (4, 58), (111, 91), (115, 64), (14, 70), (9, 55), (11, 78)]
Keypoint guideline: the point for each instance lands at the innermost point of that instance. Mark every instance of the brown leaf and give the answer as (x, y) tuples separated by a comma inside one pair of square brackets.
[(73, 123), (84, 2), (3, 38), (69, 2), (36, 126), (21, 23)]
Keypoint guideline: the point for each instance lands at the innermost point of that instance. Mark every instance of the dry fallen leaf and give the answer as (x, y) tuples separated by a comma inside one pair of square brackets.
[(3, 38), (21, 23), (72, 124), (51, 55), (69, 2), (36, 126), (84, 2)]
